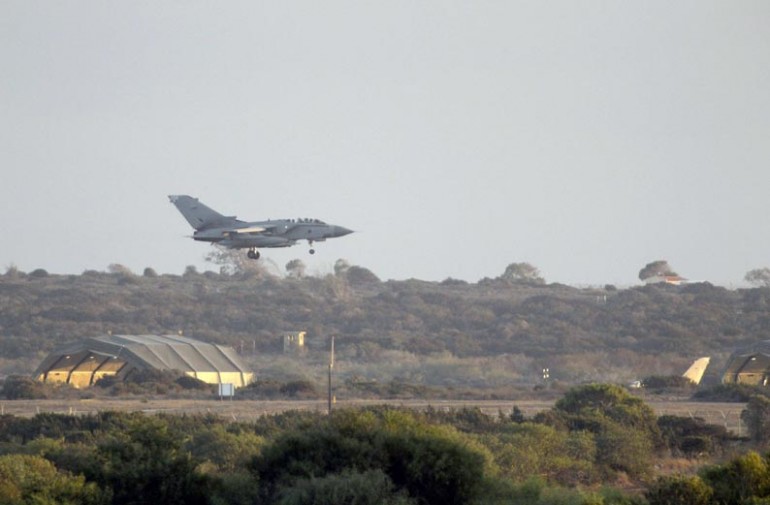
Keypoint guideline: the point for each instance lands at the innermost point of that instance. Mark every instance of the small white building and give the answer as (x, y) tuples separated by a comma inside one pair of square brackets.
[(674, 280), (293, 341)]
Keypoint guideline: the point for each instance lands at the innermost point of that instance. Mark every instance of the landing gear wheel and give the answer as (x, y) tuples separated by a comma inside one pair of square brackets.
[(253, 254), (312, 251)]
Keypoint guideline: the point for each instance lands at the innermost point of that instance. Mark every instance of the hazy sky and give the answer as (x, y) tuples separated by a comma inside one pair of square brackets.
[(587, 138)]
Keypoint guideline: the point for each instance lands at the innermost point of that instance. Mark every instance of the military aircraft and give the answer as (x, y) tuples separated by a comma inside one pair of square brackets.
[(227, 231)]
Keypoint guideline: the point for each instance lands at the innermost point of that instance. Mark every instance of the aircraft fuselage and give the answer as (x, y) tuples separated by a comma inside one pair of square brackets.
[(227, 231)]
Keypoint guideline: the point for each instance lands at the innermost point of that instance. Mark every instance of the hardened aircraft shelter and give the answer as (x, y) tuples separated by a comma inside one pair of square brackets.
[(749, 365), (84, 363)]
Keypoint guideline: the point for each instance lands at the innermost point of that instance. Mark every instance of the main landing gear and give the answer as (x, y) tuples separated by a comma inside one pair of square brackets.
[(253, 253), (310, 242)]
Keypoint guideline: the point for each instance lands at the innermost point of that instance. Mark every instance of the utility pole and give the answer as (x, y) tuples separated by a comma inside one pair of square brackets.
[(331, 367)]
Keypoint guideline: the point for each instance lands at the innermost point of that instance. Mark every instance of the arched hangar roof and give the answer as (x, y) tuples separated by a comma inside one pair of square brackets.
[(211, 362), (750, 364)]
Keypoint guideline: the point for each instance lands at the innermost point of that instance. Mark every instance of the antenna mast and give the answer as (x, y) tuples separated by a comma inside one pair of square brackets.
[(331, 367)]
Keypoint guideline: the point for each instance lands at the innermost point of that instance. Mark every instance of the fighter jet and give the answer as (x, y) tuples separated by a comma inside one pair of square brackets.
[(227, 231)]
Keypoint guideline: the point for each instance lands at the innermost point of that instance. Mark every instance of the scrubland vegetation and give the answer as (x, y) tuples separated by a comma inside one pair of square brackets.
[(492, 337), (597, 445)]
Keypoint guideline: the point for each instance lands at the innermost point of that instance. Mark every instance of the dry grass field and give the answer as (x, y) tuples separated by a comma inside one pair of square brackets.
[(725, 414)]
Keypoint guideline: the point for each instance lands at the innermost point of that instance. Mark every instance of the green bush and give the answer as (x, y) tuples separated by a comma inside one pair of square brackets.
[(729, 393), (740, 479), (679, 490), (38, 273), (187, 382), (300, 388), (692, 436), (145, 463), (20, 387), (757, 418), (371, 487), (624, 427), (433, 467), (32, 480), (663, 382)]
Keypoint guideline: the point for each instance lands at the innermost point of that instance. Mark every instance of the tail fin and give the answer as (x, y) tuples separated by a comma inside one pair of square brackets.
[(697, 369), (198, 215)]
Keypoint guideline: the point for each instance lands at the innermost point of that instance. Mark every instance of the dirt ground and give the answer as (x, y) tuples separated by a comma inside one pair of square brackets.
[(726, 414)]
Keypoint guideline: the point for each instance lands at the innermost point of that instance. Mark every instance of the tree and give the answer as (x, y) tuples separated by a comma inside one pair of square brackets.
[(667, 382), (372, 487), (432, 466), (341, 266), (296, 268), (757, 418), (679, 490), (759, 277), (22, 387), (604, 398), (692, 436), (659, 268), (227, 451), (145, 463), (626, 428), (26, 479), (739, 480), (118, 269), (235, 262), (360, 275), (13, 272), (522, 273), (39, 273)]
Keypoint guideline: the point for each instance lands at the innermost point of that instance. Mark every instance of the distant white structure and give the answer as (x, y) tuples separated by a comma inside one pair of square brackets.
[(674, 280), (293, 341)]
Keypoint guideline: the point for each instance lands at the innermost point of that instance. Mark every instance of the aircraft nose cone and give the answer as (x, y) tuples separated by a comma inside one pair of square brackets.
[(341, 231)]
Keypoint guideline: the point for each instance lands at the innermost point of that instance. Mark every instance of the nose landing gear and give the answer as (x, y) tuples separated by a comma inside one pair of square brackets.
[(253, 253)]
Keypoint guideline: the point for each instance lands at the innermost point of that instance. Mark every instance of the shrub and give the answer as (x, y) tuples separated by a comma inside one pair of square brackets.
[(729, 393), (39, 273), (372, 487), (19, 387), (679, 490), (757, 418), (187, 382), (300, 388), (740, 479), (667, 382), (107, 381), (26, 479), (692, 436), (433, 467)]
